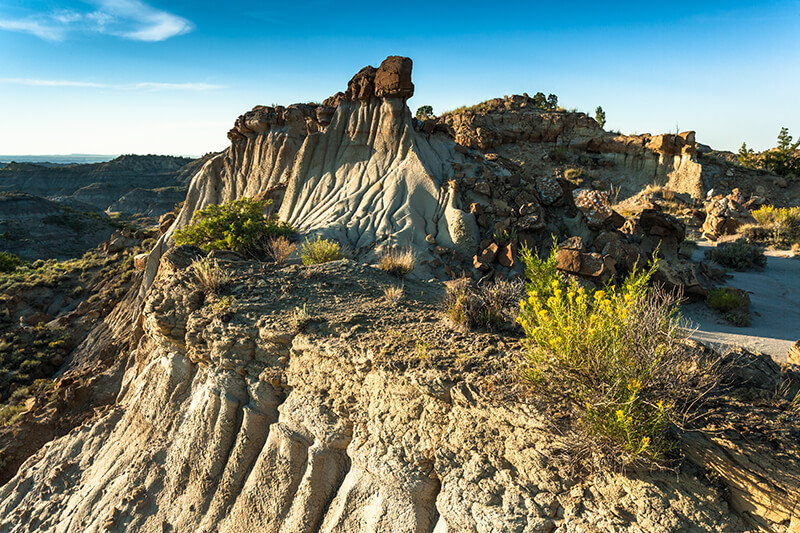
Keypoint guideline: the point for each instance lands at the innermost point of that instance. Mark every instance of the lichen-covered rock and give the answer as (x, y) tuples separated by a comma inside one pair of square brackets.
[(594, 205)]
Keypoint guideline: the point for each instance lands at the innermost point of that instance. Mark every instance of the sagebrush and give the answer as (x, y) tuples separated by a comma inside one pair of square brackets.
[(740, 255)]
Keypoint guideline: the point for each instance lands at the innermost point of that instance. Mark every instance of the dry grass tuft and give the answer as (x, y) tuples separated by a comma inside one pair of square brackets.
[(490, 306), (211, 277), (280, 248), (399, 261), (320, 251), (393, 294)]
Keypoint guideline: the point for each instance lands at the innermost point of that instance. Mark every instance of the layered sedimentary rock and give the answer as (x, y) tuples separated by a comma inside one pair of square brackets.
[(516, 128), (299, 399), (358, 171)]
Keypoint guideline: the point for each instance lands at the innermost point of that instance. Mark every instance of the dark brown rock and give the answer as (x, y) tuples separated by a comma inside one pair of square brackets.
[(393, 78), (594, 205), (505, 256), (362, 85)]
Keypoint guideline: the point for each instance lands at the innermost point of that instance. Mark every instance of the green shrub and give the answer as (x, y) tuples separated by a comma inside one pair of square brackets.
[(726, 299), (616, 355), (777, 226), (739, 255), (425, 112), (320, 251), (9, 262), (734, 304), (240, 226)]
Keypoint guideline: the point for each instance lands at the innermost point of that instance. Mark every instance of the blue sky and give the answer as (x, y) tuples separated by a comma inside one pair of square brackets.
[(138, 76)]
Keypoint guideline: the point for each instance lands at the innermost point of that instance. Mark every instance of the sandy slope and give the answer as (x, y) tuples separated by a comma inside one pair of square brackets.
[(775, 306)]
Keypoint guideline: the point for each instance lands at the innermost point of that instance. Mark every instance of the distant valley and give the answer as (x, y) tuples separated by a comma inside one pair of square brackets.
[(49, 209)]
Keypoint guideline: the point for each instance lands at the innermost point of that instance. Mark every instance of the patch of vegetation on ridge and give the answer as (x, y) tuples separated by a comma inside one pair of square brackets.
[(777, 226), (240, 226), (547, 103), (783, 159), (33, 345)]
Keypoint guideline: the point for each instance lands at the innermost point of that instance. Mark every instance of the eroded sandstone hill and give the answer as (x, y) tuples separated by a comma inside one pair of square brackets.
[(302, 400), (238, 418), (360, 169)]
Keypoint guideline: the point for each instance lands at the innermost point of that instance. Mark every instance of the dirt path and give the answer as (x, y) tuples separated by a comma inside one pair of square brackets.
[(775, 306)]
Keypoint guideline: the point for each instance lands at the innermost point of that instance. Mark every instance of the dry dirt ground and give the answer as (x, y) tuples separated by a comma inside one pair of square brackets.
[(775, 307)]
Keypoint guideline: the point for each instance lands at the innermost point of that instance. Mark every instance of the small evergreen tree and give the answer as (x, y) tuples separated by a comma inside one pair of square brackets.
[(747, 157), (782, 160), (552, 102), (600, 116), (540, 100), (425, 112), (785, 141)]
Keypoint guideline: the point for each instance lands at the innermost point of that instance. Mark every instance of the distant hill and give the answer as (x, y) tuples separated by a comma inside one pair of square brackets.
[(35, 228), (55, 160), (96, 186)]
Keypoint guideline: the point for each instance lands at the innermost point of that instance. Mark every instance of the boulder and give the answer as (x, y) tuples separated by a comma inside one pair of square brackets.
[(571, 258), (505, 256), (140, 261), (724, 216), (531, 217), (362, 85), (165, 222), (550, 191), (594, 205), (489, 254), (393, 78)]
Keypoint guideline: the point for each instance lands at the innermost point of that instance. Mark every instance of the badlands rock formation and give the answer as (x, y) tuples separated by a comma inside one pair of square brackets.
[(515, 128), (360, 169), (232, 419), (237, 412)]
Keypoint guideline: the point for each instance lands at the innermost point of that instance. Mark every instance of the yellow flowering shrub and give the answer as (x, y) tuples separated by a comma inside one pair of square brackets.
[(777, 226), (608, 351)]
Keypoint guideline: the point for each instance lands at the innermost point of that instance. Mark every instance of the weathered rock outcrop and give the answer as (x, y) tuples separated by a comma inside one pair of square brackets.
[(230, 419), (516, 128), (363, 175)]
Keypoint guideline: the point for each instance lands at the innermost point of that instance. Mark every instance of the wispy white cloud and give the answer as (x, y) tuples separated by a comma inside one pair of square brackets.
[(142, 86), (129, 19)]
